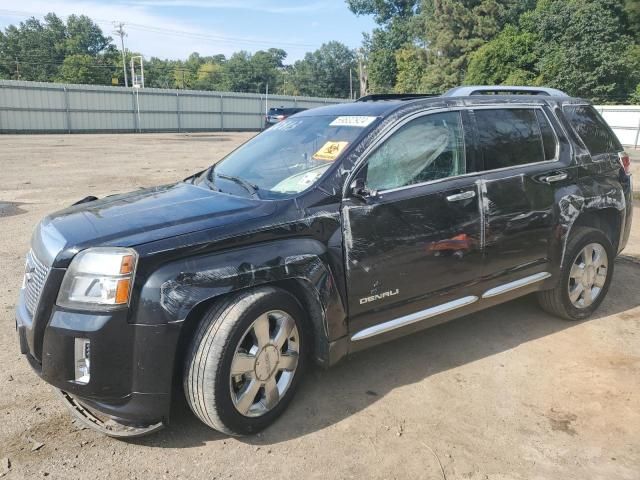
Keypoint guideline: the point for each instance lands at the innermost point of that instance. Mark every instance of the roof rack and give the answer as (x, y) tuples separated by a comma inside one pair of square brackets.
[(375, 97), (467, 91)]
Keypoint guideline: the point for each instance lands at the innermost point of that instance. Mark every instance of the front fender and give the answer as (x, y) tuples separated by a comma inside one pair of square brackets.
[(173, 290)]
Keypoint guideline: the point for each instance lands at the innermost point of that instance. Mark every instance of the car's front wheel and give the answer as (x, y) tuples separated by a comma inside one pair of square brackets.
[(585, 277), (245, 360)]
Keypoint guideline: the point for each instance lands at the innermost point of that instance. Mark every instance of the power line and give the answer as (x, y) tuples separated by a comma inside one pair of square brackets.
[(174, 32)]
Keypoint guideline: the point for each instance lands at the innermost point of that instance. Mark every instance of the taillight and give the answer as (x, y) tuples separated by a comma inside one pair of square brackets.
[(625, 162)]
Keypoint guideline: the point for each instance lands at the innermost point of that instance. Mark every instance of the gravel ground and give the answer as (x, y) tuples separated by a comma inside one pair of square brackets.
[(508, 393)]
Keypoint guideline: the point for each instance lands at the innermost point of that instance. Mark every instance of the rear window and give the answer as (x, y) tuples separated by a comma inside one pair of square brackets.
[(514, 136), (592, 129)]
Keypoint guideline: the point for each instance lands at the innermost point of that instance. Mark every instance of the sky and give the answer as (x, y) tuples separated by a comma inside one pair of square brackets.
[(175, 28)]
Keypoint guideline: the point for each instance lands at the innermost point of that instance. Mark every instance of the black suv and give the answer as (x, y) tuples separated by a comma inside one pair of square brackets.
[(278, 114), (334, 230)]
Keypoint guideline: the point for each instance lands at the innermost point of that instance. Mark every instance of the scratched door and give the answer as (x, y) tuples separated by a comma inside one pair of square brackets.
[(415, 237)]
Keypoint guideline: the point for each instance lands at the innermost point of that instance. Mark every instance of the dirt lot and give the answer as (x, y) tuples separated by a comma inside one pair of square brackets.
[(509, 393)]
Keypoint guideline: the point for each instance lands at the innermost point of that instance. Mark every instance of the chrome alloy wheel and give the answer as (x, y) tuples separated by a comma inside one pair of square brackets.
[(264, 363), (588, 275)]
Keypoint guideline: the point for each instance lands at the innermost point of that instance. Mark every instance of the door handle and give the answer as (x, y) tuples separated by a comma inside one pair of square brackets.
[(556, 177), (461, 196)]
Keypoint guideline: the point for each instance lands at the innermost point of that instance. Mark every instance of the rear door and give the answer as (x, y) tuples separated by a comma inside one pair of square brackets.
[(525, 161)]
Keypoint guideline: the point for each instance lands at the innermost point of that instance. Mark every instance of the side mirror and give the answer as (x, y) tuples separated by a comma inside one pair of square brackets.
[(359, 189)]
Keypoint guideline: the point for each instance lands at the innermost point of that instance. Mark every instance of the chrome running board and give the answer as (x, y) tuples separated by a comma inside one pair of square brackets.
[(523, 282), (446, 307), (413, 318)]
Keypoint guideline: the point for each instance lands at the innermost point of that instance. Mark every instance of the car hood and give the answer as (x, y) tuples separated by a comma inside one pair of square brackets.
[(142, 216)]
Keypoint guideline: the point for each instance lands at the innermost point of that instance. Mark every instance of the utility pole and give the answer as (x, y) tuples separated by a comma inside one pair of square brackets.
[(120, 31), (17, 68), (362, 71), (350, 84)]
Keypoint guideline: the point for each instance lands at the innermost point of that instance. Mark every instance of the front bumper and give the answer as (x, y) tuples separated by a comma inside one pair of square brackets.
[(85, 415), (131, 365)]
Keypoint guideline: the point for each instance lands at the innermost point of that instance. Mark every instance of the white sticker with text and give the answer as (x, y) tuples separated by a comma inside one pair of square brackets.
[(353, 121)]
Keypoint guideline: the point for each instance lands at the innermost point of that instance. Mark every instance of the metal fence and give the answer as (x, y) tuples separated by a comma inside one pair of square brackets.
[(33, 107), (625, 122)]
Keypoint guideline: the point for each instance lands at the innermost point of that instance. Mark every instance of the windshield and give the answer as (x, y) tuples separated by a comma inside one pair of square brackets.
[(292, 155)]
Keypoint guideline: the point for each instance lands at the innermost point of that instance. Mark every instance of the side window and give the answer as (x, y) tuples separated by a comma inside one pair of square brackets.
[(513, 136), (549, 141), (592, 129), (427, 148)]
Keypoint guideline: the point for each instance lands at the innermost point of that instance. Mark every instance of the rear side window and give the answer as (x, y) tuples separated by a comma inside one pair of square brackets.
[(592, 129), (512, 136)]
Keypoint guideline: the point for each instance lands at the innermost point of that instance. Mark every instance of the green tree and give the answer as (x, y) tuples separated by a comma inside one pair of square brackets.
[(411, 62), (395, 19), (635, 96), (159, 73), (454, 30), (83, 37), (579, 46), (32, 51), (632, 10), (82, 68), (325, 72), (211, 76), (36, 50), (508, 59)]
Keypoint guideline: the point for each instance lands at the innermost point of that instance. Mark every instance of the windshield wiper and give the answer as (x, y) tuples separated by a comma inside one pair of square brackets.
[(249, 187), (205, 176)]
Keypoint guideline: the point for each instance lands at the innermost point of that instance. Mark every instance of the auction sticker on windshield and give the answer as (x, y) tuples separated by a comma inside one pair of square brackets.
[(330, 151), (285, 126), (353, 121)]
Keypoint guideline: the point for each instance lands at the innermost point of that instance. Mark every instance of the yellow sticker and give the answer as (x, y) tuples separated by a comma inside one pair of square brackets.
[(330, 151)]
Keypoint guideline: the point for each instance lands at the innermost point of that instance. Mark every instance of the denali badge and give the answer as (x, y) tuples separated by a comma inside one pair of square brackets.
[(380, 296)]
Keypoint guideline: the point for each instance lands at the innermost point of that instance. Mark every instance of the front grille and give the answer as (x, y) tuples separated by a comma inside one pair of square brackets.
[(35, 277)]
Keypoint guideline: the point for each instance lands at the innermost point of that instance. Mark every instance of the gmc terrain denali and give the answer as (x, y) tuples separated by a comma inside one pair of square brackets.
[(336, 229)]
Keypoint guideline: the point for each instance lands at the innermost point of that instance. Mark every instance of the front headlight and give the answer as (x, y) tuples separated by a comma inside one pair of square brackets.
[(99, 279)]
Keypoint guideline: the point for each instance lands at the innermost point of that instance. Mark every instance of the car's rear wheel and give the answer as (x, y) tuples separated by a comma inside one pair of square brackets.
[(585, 277), (246, 360)]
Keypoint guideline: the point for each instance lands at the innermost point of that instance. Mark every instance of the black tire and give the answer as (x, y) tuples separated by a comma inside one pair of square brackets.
[(207, 371), (557, 301)]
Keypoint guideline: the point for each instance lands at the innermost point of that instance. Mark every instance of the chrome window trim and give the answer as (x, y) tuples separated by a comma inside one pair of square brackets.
[(394, 128), (413, 318), (364, 157), (516, 284)]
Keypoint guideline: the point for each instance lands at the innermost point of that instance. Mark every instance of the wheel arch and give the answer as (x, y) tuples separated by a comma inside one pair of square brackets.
[(608, 220), (600, 205), (178, 293), (301, 289)]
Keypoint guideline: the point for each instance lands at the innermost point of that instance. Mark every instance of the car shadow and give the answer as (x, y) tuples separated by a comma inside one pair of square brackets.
[(328, 396)]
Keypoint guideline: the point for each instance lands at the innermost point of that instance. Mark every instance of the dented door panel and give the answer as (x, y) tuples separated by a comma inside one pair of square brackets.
[(410, 246)]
